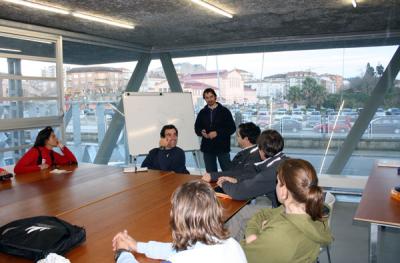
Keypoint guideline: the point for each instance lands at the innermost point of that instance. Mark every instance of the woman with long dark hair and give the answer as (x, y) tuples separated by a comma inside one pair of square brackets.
[(198, 232), (294, 231), (41, 156)]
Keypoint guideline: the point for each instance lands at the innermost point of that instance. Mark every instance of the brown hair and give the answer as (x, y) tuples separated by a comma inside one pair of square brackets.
[(301, 180), (270, 142), (209, 90), (196, 215)]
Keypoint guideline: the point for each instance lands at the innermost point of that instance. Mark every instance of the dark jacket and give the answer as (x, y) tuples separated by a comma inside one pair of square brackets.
[(219, 120), (258, 180), (166, 160), (242, 160)]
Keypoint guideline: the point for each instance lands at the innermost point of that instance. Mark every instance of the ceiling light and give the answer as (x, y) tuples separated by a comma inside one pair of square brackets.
[(10, 50), (212, 8), (354, 3), (39, 6), (104, 20)]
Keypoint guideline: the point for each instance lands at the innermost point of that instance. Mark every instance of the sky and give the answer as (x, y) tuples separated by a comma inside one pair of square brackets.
[(349, 62)]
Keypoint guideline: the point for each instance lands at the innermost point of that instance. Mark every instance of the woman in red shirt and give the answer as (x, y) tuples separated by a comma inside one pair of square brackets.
[(41, 156)]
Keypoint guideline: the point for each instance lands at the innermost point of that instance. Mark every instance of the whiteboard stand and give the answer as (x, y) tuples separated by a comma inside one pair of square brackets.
[(134, 168), (197, 159)]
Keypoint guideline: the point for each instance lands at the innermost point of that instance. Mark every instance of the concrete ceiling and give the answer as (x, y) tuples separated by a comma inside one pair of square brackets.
[(185, 29)]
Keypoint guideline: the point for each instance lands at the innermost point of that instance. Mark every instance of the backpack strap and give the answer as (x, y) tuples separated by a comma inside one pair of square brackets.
[(52, 158), (39, 159)]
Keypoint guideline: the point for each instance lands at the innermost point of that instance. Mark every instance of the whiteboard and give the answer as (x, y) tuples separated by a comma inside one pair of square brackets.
[(147, 112)]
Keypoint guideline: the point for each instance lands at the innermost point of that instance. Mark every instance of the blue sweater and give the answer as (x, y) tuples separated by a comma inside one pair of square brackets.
[(166, 160)]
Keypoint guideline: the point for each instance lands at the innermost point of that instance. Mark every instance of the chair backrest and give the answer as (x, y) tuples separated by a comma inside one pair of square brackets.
[(330, 202)]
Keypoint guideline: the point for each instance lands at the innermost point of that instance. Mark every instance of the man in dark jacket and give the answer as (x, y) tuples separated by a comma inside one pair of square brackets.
[(260, 178), (247, 135), (167, 157), (255, 181), (215, 125)]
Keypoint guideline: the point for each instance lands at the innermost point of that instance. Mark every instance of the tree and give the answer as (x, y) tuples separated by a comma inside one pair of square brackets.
[(294, 95), (314, 93), (332, 101), (379, 70)]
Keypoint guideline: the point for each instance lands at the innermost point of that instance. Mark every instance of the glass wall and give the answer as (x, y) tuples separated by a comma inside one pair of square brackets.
[(312, 97), (30, 90), (299, 93)]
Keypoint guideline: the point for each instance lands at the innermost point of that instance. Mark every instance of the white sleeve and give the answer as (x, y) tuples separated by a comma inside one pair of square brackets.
[(156, 250), (126, 257)]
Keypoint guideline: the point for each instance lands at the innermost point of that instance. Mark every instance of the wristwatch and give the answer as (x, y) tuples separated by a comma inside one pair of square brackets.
[(119, 252)]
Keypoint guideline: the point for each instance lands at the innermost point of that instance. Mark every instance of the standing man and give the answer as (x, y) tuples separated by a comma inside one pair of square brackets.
[(215, 125)]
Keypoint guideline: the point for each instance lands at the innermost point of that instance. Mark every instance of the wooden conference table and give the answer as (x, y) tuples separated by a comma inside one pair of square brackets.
[(102, 199), (376, 206)]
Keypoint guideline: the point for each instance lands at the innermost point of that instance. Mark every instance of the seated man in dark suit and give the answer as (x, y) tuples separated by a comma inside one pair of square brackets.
[(247, 135), (167, 157), (260, 178)]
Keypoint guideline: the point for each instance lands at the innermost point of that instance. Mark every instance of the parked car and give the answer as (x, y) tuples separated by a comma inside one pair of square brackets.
[(380, 113), (309, 111), (393, 111), (385, 125), (287, 125), (313, 120), (341, 126), (297, 115)]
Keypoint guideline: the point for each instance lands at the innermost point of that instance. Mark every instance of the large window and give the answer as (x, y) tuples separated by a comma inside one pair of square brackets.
[(299, 93), (30, 89)]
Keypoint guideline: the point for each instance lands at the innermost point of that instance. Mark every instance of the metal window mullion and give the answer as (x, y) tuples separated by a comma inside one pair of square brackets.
[(20, 77), (26, 34), (25, 57), (15, 148), (29, 123), (60, 82), (27, 98)]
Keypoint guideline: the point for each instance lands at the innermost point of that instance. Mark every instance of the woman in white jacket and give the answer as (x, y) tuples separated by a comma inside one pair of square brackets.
[(198, 233)]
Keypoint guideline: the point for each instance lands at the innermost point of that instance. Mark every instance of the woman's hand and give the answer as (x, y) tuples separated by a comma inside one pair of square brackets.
[(123, 241)]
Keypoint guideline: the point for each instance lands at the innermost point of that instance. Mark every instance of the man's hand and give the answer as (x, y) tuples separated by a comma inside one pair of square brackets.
[(250, 239), (204, 134), (123, 241), (212, 135), (223, 179), (163, 142), (206, 177)]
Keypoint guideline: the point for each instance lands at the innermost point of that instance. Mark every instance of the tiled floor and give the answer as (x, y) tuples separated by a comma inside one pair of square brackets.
[(351, 238)]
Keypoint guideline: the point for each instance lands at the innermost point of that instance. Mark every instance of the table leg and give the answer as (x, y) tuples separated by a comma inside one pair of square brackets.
[(373, 243)]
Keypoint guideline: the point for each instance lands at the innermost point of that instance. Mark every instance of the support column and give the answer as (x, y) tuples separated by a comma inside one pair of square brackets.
[(370, 107), (76, 123), (68, 115), (101, 124), (170, 72), (16, 107), (117, 123)]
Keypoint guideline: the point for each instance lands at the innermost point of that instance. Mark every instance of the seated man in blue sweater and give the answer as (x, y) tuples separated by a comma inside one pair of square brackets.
[(167, 157)]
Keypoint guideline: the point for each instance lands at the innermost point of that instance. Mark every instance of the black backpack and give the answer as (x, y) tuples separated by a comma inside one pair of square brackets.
[(34, 238)]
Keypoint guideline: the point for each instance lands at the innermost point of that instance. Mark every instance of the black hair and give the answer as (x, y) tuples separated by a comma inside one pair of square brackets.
[(167, 127), (270, 142), (209, 90), (249, 130), (42, 136)]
